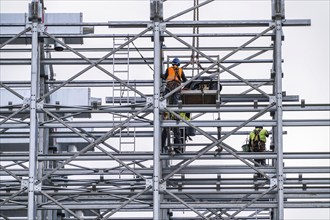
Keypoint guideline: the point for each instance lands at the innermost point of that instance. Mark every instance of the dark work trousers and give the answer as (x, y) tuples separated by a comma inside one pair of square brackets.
[(173, 99), (165, 134), (259, 146)]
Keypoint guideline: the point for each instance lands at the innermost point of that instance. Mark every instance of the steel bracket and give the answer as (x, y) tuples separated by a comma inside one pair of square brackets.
[(41, 28), (162, 186), (272, 99), (273, 182), (149, 183), (162, 27), (150, 100), (37, 187), (162, 104), (26, 102), (40, 105), (25, 183)]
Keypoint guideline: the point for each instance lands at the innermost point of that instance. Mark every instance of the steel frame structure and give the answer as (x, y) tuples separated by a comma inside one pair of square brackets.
[(97, 181)]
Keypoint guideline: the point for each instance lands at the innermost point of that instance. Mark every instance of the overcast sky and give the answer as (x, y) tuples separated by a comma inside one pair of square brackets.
[(305, 51)]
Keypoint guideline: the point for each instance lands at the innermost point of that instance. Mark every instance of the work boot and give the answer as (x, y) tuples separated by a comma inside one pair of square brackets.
[(263, 162), (178, 150), (170, 151)]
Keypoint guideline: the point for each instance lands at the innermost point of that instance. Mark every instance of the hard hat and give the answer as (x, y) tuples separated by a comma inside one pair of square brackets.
[(176, 61)]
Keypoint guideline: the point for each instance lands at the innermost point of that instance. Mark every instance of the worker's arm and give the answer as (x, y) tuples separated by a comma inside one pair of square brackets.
[(267, 133), (164, 76), (250, 139), (184, 79)]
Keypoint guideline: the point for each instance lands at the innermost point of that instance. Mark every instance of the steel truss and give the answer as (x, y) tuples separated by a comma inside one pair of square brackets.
[(93, 179)]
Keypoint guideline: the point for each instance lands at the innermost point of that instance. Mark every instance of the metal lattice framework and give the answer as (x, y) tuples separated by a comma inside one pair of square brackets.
[(65, 154)]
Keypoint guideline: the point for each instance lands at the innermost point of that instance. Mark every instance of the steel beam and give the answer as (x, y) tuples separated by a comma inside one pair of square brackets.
[(278, 7), (156, 124), (33, 146), (147, 155)]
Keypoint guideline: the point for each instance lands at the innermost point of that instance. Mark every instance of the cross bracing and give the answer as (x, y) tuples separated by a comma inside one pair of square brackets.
[(67, 154)]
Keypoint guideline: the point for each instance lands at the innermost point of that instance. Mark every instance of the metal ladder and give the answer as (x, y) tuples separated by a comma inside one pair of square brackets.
[(122, 71)]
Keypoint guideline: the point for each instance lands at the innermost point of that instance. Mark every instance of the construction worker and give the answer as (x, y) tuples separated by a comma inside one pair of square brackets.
[(257, 142), (174, 75)]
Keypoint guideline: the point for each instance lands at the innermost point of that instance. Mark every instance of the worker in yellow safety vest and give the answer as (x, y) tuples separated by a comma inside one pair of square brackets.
[(257, 141)]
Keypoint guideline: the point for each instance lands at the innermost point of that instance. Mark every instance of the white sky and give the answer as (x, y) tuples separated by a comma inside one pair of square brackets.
[(305, 52)]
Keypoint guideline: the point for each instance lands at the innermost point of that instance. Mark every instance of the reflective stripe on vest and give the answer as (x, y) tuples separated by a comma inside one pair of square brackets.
[(172, 76)]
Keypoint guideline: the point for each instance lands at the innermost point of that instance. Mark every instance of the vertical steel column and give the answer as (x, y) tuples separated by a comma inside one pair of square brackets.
[(278, 15), (279, 117), (156, 11), (33, 145), (157, 133)]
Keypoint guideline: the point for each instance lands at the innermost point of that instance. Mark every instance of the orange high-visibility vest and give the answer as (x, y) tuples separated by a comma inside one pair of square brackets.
[(172, 76)]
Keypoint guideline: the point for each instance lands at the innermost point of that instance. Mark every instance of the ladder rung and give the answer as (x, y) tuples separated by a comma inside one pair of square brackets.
[(120, 71)]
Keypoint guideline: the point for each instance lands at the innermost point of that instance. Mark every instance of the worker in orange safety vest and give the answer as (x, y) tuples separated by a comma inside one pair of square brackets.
[(174, 75)]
